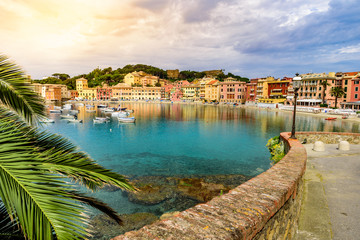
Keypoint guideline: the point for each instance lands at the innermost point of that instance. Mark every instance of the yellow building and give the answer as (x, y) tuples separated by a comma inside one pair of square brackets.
[(149, 80), (191, 92), (88, 93), (146, 93), (262, 87), (202, 82), (81, 83), (134, 78), (121, 91), (84, 92), (212, 91)]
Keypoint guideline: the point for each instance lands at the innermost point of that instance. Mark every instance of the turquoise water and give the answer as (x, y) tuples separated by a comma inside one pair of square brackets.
[(184, 140)]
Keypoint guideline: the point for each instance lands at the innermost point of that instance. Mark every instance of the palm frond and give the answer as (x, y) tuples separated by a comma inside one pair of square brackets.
[(16, 93), (34, 193), (8, 228)]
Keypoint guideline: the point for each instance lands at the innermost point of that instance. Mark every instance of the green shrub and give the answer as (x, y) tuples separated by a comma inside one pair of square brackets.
[(324, 105), (358, 112), (276, 148)]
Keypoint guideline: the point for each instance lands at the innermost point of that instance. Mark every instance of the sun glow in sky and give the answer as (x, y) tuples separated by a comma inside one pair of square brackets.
[(250, 38)]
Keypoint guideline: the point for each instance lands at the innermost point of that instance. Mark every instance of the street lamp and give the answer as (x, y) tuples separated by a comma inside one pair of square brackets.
[(296, 85)]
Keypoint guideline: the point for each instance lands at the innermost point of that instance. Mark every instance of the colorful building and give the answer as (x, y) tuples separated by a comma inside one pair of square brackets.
[(251, 88), (134, 78), (121, 91), (104, 92), (191, 92), (311, 91), (277, 91), (232, 91), (212, 91), (146, 93)]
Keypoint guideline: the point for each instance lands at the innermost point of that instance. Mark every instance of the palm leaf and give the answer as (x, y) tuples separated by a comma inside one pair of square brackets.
[(32, 191), (16, 93)]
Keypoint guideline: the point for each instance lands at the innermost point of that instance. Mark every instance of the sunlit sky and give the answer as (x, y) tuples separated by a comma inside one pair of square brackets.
[(255, 38)]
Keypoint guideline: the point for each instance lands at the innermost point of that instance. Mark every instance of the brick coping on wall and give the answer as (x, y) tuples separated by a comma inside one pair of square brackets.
[(239, 214)]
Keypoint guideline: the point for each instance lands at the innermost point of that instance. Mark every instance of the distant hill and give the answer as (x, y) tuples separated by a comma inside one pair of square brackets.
[(113, 77)]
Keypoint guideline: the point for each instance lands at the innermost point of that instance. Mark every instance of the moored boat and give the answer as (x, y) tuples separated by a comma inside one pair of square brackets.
[(120, 114), (102, 106), (126, 119), (331, 118), (55, 111), (75, 120), (46, 120), (67, 116)]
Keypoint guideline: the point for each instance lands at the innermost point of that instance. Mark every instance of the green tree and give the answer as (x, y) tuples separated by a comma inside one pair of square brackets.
[(337, 92), (324, 84), (37, 199)]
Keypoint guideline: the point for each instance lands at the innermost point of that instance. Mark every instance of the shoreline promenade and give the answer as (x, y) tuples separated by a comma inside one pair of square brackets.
[(330, 206)]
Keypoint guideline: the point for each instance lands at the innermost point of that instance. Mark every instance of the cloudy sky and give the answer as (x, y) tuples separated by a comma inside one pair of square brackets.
[(253, 38)]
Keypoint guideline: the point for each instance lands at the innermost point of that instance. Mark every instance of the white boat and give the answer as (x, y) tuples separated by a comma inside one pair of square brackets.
[(129, 110), (102, 118), (90, 106), (108, 110), (46, 120), (90, 110), (74, 121), (79, 104), (57, 108), (67, 116), (120, 114), (126, 119), (97, 121), (74, 111), (55, 111), (102, 106), (67, 106)]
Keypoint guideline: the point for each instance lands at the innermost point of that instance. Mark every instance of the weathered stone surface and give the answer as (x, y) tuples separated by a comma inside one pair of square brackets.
[(103, 227)]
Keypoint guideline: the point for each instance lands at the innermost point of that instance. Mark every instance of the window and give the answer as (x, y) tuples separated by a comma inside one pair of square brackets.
[(356, 89), (356, 96), (345, 89), (346, 81)]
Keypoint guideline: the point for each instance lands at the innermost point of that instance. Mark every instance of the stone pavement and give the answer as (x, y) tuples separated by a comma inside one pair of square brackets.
[(331, 202)]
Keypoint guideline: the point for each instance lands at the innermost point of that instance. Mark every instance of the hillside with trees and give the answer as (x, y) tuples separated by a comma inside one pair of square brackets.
[(112, 77)]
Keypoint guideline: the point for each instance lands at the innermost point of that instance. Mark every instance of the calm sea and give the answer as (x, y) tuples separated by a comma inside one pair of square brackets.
[(184, 140)]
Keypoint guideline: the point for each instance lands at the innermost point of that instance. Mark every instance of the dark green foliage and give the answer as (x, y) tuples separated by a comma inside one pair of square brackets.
[(324, 105), (98, 76)]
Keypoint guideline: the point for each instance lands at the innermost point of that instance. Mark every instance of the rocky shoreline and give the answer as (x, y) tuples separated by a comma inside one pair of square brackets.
[(170, 194)]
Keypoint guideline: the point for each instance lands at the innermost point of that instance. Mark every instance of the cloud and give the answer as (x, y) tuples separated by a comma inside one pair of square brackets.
[(251, 38)]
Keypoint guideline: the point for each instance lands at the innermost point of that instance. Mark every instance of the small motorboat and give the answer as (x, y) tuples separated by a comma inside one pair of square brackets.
[(331, 118), (126, 119), (90, 110), (101, 120), (120, 114), (108, 110), (75, 121), (345, 116), (74, 111), (46, 120), (67, 116), (55, 111), (102, 106), (129, 110)]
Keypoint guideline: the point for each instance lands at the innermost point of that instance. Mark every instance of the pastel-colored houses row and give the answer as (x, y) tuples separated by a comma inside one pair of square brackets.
[(142, 86), (53, 92)]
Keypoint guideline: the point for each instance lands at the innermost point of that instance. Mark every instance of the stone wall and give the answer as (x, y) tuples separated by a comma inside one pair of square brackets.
[(265, 207), (328, 137)]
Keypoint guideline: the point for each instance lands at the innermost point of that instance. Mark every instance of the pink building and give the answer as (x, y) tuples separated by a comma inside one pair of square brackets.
[(104, 92), (176, 95), (232, 91)]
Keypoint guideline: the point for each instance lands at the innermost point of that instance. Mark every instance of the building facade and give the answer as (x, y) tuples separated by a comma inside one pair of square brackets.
[(231, 91)]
